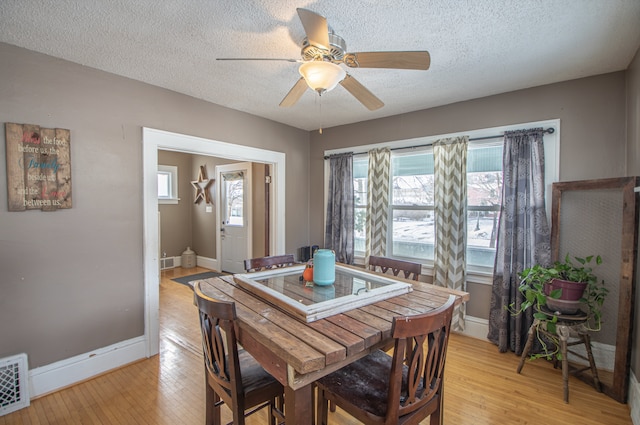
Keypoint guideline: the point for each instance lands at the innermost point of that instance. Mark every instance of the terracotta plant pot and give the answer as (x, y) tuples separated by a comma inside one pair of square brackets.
[(569, 301), (571, 291)]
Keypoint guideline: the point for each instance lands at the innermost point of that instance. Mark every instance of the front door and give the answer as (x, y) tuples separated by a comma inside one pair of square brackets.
[(234, 211)]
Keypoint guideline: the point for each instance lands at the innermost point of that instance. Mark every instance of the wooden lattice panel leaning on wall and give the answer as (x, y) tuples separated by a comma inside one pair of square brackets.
[(601, 217)]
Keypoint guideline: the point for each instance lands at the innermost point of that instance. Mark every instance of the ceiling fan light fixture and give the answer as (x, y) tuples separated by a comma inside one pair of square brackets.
[(322, 76)]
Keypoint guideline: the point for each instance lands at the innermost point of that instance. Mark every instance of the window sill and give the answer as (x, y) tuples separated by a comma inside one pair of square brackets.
[(170, 201), (483, 278)]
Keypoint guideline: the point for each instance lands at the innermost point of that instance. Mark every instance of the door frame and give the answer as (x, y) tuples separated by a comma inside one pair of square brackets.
[(152, 141)]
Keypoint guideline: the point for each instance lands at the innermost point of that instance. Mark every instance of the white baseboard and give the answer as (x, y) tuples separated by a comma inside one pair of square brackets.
[(604, 355), (475, 327), (207, 263), (634, 399), (55, 376)]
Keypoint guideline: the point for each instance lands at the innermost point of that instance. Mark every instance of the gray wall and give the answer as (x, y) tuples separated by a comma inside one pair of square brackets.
[(72, 280)]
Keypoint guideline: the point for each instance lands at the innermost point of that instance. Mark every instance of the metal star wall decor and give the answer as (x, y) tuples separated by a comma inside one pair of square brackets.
[(202, 186)]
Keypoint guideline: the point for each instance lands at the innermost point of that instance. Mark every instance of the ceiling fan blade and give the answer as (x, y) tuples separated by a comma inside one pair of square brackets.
[(316, 28), (258, 59), (294, 94), (361, 93), (397, 60)]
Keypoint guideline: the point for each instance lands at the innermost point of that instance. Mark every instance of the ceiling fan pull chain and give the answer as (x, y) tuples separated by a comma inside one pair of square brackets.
[(320, 129)]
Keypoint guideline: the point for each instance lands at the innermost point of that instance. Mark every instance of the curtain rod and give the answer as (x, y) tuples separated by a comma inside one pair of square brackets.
[(549, 130)]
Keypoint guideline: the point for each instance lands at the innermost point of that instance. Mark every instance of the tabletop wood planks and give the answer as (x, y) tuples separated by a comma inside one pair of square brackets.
[(370, 334), (383, 325), (353, 343)]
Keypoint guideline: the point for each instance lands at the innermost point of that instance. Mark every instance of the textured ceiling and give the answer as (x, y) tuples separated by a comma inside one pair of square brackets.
[(478, 48)]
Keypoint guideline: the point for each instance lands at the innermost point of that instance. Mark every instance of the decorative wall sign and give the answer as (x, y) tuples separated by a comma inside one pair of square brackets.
[(38, 167), (202, 186)]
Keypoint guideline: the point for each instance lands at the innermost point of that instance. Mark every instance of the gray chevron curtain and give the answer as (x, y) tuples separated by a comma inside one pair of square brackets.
[(340, 221), (450, 181), (377, 202), (523, 235)]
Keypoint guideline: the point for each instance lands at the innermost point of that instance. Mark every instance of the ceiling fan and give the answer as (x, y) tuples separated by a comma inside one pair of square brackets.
[(322, 53)]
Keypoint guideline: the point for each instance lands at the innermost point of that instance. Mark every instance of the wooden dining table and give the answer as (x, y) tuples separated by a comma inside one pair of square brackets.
[(297, 352)]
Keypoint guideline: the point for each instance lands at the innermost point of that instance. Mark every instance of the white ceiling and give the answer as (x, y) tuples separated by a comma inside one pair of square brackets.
[(478, 48)]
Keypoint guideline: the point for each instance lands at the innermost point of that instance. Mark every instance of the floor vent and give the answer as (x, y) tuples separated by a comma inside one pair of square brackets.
[(166, 263), (14, 384)]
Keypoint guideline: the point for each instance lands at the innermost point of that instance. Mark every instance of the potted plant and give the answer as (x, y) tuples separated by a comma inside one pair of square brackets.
[(562, 288)]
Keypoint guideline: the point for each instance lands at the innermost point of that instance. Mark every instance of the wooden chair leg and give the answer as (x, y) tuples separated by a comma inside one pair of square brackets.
[(322, 409), (271, 412), (563, 334), (437, 417), (212, 410), (527, 346), (592, 363), (280, 403), (565, 370)]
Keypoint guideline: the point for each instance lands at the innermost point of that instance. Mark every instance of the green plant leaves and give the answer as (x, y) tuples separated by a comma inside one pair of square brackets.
[(555, 294)]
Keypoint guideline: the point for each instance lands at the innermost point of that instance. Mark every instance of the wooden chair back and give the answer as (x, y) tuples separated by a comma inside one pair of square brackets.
[(404, 388), (417, 371), (409, 269), (271, 262), (224, 364)]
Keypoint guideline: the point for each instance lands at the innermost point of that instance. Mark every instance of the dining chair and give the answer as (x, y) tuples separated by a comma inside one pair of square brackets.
[(409, 269), (233, 376), (403, 388), (270, 262)]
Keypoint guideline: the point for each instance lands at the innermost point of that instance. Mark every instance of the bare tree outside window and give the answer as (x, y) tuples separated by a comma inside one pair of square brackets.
[(234, 200)]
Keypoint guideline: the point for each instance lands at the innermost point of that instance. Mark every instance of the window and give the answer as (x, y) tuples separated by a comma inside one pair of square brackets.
[(360, 167), (233, 198), (411, 226), (411, 213), (167, 184), (412, 206), (484, 186)]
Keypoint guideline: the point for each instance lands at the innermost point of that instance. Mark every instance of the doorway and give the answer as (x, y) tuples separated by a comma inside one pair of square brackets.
[(157, 139), (235, 215)]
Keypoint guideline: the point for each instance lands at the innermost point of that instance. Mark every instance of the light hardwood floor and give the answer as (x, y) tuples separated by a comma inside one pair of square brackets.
[(482, 386)]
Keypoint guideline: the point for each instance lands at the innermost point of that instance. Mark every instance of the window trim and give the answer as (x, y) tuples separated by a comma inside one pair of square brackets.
[(172, 171)]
